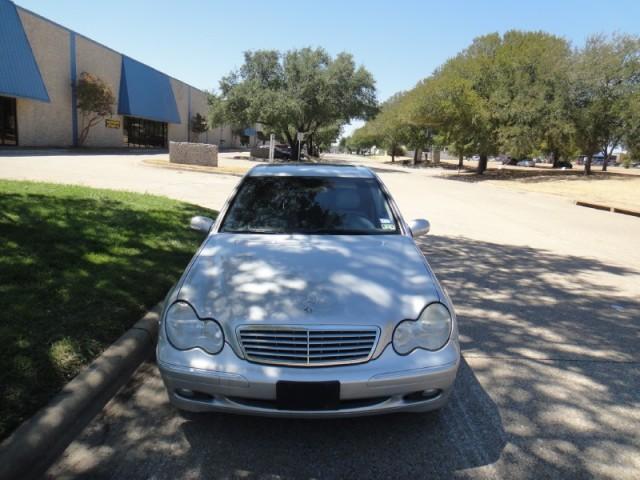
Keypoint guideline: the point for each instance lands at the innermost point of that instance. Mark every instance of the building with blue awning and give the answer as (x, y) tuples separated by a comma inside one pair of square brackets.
[(40, 63)]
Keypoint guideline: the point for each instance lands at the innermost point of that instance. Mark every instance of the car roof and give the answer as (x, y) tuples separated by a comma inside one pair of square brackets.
[(310, 170)]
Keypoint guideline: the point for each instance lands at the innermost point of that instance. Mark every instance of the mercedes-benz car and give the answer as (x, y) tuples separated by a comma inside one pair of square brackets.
[(308, 298)]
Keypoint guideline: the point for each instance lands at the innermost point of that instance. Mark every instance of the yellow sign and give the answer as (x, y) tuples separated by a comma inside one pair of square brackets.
[(111, 123)]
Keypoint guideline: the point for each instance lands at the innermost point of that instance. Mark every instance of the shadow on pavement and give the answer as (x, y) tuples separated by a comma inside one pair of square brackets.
[(549, 388), (53, 152), (526, 302), (533, 175), (399, 445), (553, 339), (142, 436)]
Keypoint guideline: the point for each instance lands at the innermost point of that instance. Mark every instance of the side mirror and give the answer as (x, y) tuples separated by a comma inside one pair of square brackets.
[(201, 224), (419, 227)]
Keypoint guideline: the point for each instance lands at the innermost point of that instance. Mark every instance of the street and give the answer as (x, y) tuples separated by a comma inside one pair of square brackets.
[(548, 304)]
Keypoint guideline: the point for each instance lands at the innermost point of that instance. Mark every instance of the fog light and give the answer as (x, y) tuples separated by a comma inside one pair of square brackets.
[(185, 392), (431, 393), (194, 395)]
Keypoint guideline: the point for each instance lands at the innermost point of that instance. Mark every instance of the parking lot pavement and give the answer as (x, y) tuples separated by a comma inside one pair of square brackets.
[(515, 419), (548, 301)]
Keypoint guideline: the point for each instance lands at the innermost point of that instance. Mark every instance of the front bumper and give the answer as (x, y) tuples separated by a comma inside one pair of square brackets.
[(390, 383)]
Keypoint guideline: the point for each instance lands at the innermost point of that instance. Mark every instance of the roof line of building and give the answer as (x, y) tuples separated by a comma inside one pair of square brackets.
[(31, 12)]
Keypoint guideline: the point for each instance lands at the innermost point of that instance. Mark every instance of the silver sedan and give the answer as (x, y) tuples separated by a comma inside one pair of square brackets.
[(309, 298)]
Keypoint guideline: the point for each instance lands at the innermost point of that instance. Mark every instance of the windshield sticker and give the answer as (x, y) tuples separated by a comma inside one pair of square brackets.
[(388, 226)]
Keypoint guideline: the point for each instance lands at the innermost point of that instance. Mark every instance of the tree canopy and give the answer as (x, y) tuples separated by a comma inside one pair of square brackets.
[(304, 90), (605, 81), (95, 102), (522, 94)]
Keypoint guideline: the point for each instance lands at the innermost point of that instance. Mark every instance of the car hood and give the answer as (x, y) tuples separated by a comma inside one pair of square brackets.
[(300, 279)]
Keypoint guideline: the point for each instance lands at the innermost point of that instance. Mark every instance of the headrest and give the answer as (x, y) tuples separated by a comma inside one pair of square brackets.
[(347, 200)]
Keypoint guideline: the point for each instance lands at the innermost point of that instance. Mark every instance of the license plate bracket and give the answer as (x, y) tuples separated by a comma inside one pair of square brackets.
[(307, 395)]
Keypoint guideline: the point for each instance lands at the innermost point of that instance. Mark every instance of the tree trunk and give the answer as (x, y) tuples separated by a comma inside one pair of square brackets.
[(460, 161), (482, 163), (587, 165), (310, 146), (605, 161), (417, 154), (556, 158), (435, 156), (393, 153), (294, 150)]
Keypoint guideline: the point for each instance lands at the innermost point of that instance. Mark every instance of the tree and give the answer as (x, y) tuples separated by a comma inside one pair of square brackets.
[(342, 144), (531, 95), (199, 125), (501, 94), (389, 129), (631, 137), (472, 73), (323, 138), (605, 76), (296, 91), (362, 138), (95, 102)]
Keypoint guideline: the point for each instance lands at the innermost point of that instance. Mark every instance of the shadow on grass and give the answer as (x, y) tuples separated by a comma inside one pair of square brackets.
[(78, 267)]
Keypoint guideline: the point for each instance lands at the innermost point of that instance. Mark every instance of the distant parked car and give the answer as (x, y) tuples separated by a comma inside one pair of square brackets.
[(526, 163), (476, 158), (564, 164), (509, 161), (281, 151)]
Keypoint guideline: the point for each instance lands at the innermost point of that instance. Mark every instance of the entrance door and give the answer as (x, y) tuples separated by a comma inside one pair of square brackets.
[(8, 122)]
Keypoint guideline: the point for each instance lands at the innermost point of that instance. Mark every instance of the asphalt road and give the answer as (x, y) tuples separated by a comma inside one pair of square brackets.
[(548, 300)]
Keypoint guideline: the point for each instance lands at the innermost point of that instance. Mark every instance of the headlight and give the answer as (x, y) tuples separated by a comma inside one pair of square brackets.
[(185, 330), (430, 331)]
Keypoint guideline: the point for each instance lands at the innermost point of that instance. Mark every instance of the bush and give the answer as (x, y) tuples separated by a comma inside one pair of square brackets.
[(625, 159)]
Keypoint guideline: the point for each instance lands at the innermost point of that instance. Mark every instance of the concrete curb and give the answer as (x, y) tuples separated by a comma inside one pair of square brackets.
[(38, 442), (607, 208)]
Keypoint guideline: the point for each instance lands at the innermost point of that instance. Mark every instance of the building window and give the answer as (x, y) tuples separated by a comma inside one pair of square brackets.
[(141, 133), (8, 121)]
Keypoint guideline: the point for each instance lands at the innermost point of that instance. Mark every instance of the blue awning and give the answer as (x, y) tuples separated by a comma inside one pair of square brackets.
[(146, 93), (19, 72), (250, 132)]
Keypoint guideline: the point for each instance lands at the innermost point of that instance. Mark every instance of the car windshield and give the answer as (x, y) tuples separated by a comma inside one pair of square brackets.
[(318, 205)]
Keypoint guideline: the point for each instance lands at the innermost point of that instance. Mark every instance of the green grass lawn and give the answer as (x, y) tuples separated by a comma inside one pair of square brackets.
[(78, 266)]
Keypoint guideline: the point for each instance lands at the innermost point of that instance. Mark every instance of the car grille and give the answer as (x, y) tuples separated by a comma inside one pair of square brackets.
[(308, 346)]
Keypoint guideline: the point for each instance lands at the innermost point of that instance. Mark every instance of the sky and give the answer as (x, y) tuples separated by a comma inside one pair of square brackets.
[(399, 41)]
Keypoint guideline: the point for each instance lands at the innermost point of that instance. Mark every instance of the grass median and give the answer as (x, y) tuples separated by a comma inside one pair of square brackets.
[(79, 266)]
